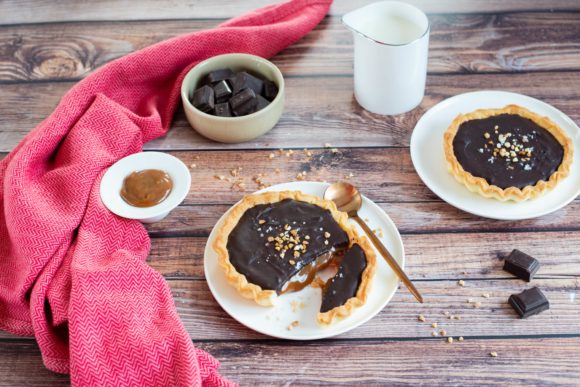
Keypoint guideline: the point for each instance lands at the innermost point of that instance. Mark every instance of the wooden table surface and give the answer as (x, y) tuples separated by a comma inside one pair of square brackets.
[(526, 46)]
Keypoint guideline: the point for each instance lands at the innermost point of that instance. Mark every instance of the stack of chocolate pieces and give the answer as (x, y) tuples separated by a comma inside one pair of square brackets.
[(531, 301), (227, 94)]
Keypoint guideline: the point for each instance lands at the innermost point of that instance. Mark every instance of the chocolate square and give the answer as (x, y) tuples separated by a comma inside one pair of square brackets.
[(219, 75), (203, 99), (222, 91), (529, 302), (521, 265), (223, 110), (270, 90), (244, 102), (243, 80)]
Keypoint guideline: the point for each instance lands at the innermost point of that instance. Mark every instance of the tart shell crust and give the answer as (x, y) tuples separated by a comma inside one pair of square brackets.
[(480, 185), (267, 297)]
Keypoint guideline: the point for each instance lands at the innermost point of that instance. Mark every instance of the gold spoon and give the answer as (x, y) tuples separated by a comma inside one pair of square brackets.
[(349, 200)]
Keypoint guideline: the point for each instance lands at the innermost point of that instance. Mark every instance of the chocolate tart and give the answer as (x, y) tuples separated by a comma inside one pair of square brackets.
[(276, 242), (507, 154)]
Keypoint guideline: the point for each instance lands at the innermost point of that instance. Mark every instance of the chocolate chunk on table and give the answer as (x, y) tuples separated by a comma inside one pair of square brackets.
[(219, 75), (222, 91), (243, 80), (270, 90), (244, 102), (203, 99), (521, 265), (529, 302), (223, 110)]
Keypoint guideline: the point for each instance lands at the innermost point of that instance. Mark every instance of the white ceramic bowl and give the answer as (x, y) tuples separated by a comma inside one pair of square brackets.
[(233, 129), (112, 183)]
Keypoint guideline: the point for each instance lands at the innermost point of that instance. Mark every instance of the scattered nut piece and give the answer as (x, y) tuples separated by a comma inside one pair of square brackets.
[(450, 340), (434, 325), (293, 325), (477, 305), (421, 318), (461, 283), (219, 177), (443, 332), (327, 145), (271, 155), (493, 354), (193, 166), (434, 334), (460, 338), (485, 295)]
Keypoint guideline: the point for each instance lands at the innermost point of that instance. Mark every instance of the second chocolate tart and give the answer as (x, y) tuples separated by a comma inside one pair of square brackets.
[(507, 154)]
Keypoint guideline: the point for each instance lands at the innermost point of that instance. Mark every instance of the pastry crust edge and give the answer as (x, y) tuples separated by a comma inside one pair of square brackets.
[(266, 297), (480, 185)]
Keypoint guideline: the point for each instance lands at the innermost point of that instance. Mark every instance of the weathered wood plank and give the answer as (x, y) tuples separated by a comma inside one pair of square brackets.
[(429, 256), (519, 362), (410, 217), (383, 175), (205, 320), (459, 44), (318, 110), (42, 11)]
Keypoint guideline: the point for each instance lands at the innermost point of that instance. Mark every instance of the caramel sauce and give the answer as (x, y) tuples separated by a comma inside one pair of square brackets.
[(310, 271), (146, 188)]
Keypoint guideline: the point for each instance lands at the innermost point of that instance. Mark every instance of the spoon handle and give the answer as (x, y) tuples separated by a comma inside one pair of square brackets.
[(389, 258)]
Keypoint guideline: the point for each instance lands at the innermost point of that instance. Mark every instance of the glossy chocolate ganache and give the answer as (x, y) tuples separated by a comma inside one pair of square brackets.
[(280, 246), (507, 150), (345, 283)]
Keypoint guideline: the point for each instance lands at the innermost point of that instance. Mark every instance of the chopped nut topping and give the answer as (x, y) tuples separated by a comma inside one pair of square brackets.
[(326, 234), (261, 221), (292, 262)]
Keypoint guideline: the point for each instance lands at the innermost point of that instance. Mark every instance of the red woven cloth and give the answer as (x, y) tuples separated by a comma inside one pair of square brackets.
[(73, 274)]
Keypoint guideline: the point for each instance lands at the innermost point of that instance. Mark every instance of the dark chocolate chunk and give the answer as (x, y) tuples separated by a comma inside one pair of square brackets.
[(262, 103), (219, 75), (223, 110), (270, 90), (345, 283), (222, 92), (243, 80), (539, 156), (244, 102), (529, 302), (252, 246), (203, 99), (521, 265)]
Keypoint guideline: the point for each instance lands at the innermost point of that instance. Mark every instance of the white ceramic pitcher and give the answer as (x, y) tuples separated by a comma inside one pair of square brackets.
[(391, 42)]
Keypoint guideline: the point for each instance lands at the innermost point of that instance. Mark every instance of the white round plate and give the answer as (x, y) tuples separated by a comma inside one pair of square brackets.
[(429, 160), (304, 305)]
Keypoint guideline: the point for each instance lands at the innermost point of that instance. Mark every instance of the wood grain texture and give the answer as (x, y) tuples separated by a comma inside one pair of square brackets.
[(462, 43), (204, 319), (410, 218), (42, 11), (519, 362), (318, 110)]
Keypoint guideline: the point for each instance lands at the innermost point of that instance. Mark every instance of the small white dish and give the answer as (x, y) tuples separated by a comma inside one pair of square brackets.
[(274, 321), (112, 183), (429, 160)]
